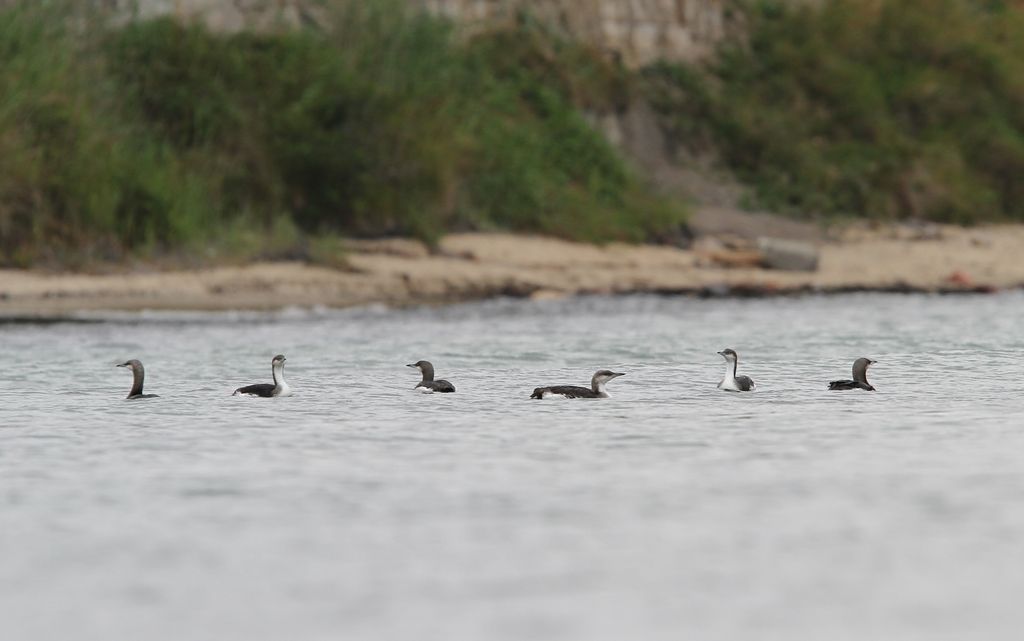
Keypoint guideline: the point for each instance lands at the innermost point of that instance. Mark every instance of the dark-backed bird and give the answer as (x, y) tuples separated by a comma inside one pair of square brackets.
[(596, 389), (428, 384), (138, 378), (860, 377), (266, 390), (731, 382)]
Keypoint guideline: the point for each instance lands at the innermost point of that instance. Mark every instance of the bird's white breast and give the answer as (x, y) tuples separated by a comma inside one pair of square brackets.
[(729, 384), (547, 395)]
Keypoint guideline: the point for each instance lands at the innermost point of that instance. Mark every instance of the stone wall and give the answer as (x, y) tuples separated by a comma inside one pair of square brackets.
[(224, 15), (638, 31)]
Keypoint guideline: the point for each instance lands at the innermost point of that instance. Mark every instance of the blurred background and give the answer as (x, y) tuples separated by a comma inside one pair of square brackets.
[(207, 129)]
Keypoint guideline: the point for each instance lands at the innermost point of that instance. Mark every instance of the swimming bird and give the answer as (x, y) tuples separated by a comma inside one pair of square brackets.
[(266, 390), (731, 382), (860, 377), (138, 377), (596, 390), (428, 383)]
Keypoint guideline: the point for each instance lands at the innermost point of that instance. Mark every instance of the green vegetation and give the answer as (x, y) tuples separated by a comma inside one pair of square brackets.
[(888, 109), (159, 138)]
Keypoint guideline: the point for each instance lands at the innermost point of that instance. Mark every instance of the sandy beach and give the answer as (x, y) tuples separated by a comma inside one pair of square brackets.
[(481, 265)]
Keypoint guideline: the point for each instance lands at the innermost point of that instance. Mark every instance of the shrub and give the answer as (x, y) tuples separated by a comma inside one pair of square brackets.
[(159, 136), (888, 109)]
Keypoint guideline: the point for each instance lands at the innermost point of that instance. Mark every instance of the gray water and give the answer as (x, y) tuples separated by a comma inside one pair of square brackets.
[(359, 509)]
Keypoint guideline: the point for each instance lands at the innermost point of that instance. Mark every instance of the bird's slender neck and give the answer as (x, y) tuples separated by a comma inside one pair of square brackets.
[(860, 374), (278, 371), (597, 385), (138, 377), (428, 372), (730, 368)]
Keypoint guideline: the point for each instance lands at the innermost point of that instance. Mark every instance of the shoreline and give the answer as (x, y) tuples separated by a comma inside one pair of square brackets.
[(477, 266)]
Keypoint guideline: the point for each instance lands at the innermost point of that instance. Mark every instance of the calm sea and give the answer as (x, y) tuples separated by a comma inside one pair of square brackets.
[(360, 509)]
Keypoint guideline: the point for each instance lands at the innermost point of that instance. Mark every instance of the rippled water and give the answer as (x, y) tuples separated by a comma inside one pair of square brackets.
[(359, 509)]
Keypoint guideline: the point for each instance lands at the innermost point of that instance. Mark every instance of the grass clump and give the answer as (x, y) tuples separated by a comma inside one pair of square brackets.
[(160, 136), (888, 109), (76, 183)]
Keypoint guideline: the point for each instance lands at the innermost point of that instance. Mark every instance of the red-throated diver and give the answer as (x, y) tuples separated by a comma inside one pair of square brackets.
[(428, 383), (279, 388), (860, 377), (138, 378), (731, 382), (596, 390)]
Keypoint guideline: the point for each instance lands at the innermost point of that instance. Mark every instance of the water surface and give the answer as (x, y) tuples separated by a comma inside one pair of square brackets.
[(359, 509)]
